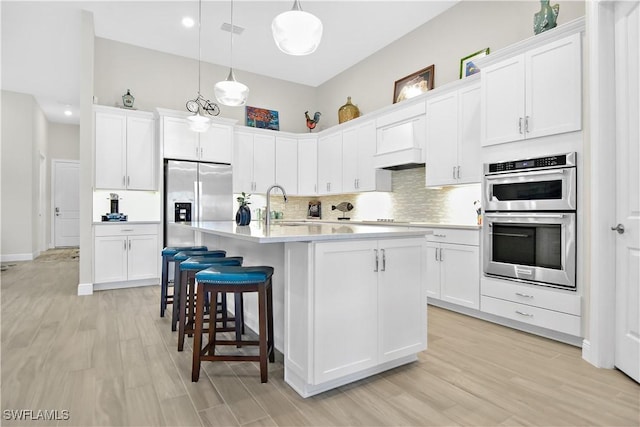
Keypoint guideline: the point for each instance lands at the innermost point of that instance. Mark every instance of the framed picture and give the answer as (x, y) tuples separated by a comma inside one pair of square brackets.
[(467, 67), (414, 84), (262, 118)]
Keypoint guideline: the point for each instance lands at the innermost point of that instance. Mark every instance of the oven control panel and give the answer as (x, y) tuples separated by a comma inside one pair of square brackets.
[(528, 164)]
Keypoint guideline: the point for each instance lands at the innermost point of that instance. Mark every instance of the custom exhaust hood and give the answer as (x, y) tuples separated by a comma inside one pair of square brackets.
[(401, 138)]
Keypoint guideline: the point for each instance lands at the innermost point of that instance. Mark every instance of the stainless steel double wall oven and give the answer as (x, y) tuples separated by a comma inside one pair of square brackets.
[(530, 220)]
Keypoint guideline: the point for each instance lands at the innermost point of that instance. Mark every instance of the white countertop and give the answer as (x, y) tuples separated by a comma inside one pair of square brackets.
[(396, 224), (305, 231)]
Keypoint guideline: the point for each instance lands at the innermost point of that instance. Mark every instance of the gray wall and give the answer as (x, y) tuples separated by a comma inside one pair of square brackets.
[(64, 141)]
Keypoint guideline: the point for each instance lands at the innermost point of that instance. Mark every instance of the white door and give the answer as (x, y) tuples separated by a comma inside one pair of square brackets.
[(142, 259), (66, 202), (180, 142), (141, 158), (627, 348), (458, 285), (442, 140), (264, 162), (307, 166)]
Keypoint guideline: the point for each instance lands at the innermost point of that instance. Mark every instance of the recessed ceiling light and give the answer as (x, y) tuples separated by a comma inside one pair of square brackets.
[(68, 113), (188, 22)]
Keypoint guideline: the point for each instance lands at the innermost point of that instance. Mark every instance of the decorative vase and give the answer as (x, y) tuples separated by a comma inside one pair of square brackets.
[(546, 18), (348, 111), (127, 99), (243, 216)]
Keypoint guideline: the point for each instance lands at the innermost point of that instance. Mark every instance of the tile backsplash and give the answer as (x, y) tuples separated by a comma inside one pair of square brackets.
[(409, 201)]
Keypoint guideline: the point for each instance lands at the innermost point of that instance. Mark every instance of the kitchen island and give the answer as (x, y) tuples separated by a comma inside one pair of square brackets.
[(349, 299)]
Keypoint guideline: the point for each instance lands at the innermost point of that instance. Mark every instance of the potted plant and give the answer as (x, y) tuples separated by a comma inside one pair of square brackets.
[(243, 216)]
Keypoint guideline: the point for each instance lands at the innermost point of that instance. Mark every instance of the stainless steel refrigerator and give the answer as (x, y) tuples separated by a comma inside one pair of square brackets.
[(194, 191)]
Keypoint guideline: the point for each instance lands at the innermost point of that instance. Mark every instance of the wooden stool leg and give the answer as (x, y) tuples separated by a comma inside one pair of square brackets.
[(239, 324), (191, 304), (262, 313), (270, 346), (197, 340), (176, 296), (164, 284), (182, 314), (212, 329)]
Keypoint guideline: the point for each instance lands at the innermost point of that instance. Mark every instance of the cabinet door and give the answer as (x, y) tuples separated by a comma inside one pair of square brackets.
[(142, 261), (350, 160), (243, 163), (330, 164), (215, 144), (345, 328), (460, 285), (433, 270), (402, 301), (287, 164), (141, 153), (110, 147), (110, 259), (307, 166), (264, 162), (180, 142), (503, 91), (469, 159), (370, 178), (554, 88), (442, 140)]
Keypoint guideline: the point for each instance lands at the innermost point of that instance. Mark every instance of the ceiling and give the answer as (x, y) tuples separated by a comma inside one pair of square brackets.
[(41, 40)]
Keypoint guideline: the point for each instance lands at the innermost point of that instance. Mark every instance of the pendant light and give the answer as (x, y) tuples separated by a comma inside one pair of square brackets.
[(198, 122), (297, 32), (230, 91)]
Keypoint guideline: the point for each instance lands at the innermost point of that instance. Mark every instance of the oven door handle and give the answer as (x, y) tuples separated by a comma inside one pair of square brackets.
[(530, 173), (531, 215)]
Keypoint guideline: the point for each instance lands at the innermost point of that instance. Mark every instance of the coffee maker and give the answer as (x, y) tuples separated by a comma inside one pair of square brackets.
[(114, 215)]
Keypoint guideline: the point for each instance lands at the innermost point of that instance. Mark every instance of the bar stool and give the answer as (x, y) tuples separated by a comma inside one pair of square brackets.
[(234, 279), (167, 257), (177, 259), (186, 315)]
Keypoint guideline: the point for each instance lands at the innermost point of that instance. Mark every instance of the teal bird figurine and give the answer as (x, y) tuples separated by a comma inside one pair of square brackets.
[(311, 123), (546, 18)]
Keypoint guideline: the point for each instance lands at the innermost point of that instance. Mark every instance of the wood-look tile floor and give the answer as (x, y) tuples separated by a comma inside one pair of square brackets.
[(110, 360)]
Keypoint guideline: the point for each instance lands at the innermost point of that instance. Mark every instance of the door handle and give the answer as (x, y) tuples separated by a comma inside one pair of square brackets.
[(436, 254), (520, 124), (526, 124), (454, 172), (129, 244), (458, 172), (376, 253), (619, 228), (384, 260), (441, 259)]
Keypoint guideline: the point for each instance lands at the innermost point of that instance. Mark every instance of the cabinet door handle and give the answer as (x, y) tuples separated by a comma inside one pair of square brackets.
[(522, 313), (520, 294), (376, 253), (124, 180), (453, 172), (436, 254), (526, 124), (201, 152), (441, 259), (128, 180), (315, 188), (196, 152), (384, 260), (439, 235), (458, 172), (125, 245), (129, 244), (520, 124)]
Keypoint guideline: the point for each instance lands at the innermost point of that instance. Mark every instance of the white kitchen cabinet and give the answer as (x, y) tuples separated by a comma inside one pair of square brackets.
[(362, 308), (358, 171), (182, 143), (555, 309), (453, 267), (253, 162), (534, 94), (453, 137), (401, 136), (308, 165), (287, 164), (330, 164), (125, 149), (125, 252)]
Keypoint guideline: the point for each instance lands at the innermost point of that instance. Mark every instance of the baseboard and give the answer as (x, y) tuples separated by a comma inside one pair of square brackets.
[(586, 352), (124, 285), (85, 289), (17, 257)]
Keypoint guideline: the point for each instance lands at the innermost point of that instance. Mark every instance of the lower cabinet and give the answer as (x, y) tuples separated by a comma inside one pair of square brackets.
[(453, 267), (125, 252), (362, 310)]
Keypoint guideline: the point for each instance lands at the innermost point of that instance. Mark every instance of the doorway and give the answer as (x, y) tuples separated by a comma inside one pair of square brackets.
[(65, 197)]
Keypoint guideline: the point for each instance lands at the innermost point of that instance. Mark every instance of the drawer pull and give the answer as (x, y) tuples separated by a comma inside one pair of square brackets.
[(524, 295), (524, 314), (439, 235), (127, 229)]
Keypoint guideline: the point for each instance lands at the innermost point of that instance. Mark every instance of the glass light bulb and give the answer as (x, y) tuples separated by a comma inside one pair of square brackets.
[(297, 32), (231, 92), (198, 122)]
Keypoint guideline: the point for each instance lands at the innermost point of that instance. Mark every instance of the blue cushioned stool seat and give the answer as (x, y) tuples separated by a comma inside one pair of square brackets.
[(220, 279), (167, 257), (184, 309), (178, 257)]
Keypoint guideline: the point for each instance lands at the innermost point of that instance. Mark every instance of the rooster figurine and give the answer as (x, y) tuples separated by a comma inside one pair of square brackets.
[(311, 123)]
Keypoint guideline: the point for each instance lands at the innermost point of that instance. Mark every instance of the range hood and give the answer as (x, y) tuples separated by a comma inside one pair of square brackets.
[(407, 158), (401, 139)]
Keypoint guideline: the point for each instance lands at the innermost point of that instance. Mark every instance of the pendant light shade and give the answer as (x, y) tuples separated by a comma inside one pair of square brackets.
[(231, 92), (297, 32)]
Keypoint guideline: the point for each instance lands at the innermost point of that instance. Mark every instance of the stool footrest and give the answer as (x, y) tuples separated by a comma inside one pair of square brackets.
[(230, 358)]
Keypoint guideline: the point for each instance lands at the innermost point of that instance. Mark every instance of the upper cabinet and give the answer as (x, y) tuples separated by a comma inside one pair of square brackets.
[(254, 161), (125, 149), (453, 137), (400, 136), (308, 165), (330, 163), (533, 94), (287, 163), (182, 143), (358, 170)]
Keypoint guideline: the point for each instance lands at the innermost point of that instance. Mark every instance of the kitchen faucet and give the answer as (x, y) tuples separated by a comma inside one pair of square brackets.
[(267, 217)]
